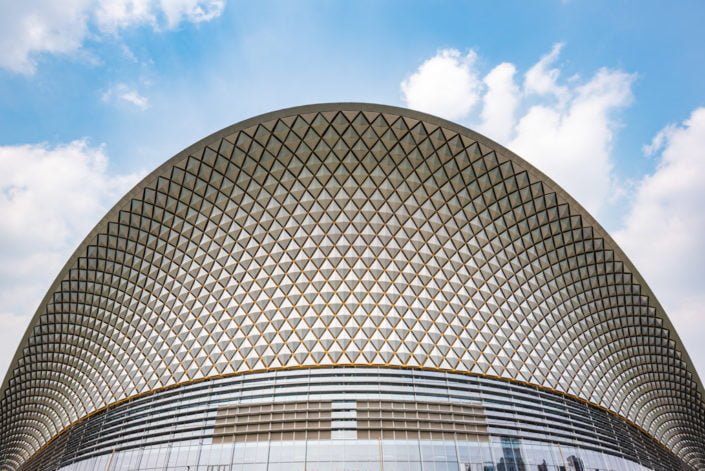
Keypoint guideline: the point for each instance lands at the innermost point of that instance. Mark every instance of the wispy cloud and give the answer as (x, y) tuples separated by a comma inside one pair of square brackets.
[(123, 93), (31, 28)]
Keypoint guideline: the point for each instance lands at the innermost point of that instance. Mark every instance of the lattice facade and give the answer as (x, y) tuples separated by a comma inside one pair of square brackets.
[(349, 235)]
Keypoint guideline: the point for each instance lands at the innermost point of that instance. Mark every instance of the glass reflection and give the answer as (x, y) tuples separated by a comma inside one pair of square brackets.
[(497, 454)]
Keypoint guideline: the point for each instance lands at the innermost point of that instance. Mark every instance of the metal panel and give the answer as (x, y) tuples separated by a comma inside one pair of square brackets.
[(348, 235)]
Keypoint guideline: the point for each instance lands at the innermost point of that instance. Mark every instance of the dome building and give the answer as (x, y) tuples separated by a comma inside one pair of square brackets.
[(350, 287)]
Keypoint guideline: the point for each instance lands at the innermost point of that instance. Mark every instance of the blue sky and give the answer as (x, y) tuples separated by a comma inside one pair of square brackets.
[(108, 90), (260, 56)]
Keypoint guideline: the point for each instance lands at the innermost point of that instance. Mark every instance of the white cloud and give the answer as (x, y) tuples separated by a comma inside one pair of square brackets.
[(664, 231), (566, 130), (571, 141), (499, 104), (50, 198), (113, 15), (46, 26), (33, 27), (195, 11), (540, 79), (122, 92), (659, 140), (446, 85)]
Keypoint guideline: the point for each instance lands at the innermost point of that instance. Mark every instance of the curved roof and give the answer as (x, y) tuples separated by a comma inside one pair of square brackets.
[(348, 234)]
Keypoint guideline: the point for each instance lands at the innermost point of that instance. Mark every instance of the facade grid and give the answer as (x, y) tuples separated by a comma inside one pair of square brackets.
[(345, 237)]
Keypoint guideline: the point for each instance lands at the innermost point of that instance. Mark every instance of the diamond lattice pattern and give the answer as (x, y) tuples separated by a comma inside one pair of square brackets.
[(348, 237)]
